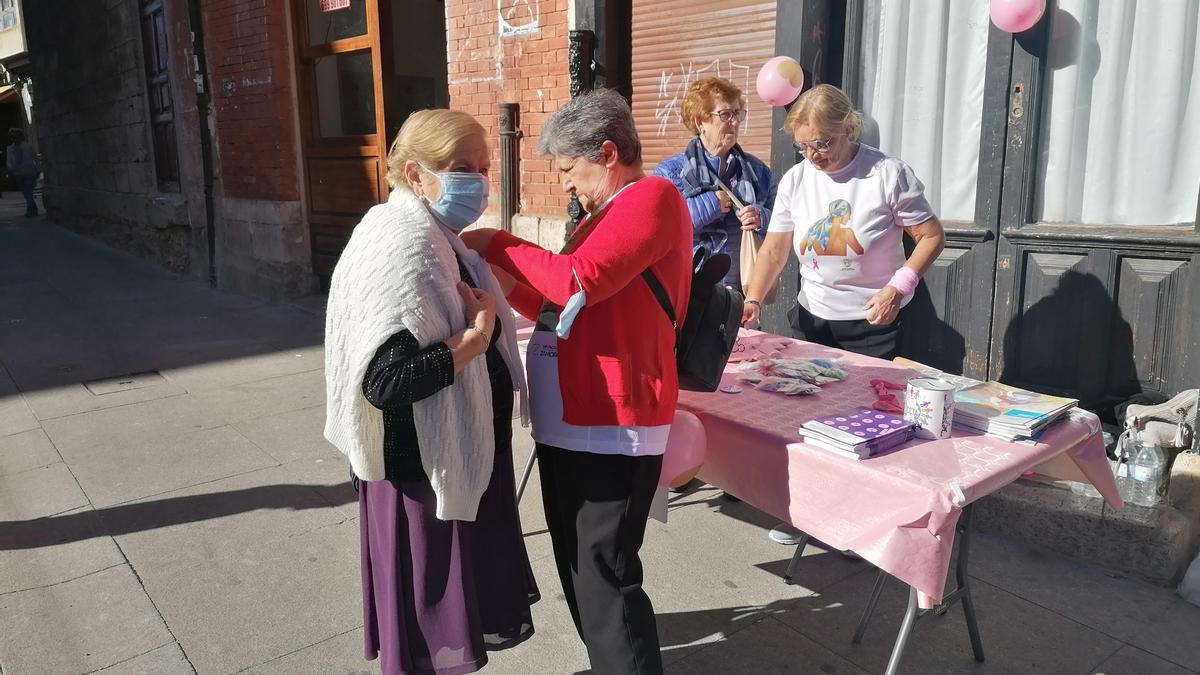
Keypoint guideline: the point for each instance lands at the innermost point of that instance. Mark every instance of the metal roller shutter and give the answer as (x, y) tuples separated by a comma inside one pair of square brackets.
[(678, 41)]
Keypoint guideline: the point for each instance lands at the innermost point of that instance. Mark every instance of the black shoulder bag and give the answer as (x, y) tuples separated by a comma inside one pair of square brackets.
[(705, 340)]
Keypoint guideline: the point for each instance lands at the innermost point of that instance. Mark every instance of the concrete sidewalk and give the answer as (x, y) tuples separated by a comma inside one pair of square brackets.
[(168, 505)]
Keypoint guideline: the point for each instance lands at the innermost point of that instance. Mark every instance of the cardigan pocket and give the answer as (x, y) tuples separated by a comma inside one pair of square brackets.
[(612, 377)]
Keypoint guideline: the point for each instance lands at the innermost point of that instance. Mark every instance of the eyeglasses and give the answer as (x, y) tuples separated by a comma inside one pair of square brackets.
[(730, 115), (821, 145)]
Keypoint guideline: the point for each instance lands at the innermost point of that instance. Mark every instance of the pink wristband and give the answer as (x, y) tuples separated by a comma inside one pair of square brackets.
[(905, 280)]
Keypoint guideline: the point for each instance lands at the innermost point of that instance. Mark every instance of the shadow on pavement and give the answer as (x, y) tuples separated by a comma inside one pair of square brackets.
[(156, 513)]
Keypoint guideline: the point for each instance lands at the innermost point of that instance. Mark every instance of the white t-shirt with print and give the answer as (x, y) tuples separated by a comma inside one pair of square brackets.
[(847, 228)]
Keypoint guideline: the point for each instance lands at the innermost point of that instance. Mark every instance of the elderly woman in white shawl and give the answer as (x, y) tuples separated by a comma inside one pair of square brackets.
[(421, 365)]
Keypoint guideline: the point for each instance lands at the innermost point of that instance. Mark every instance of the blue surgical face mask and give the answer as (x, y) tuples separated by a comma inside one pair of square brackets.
[(464, 198), (566, 318)]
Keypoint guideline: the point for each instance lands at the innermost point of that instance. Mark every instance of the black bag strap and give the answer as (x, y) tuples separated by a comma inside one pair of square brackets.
[(664, 301)]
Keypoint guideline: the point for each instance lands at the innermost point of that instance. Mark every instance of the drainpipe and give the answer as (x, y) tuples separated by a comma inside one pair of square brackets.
[(581, 64), (203, 110), (510, 162)]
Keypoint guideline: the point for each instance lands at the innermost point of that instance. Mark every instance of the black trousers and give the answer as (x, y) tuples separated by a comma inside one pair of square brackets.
[(596, 510), (857, 336)]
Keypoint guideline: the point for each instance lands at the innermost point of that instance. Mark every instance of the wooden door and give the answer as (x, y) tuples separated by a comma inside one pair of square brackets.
[(1094, 310), (342, 120)]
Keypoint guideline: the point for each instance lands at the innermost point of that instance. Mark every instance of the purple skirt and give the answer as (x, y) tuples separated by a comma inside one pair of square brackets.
[(438, 595)]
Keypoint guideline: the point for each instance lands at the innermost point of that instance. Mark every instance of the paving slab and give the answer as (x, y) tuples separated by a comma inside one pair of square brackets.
[(262, 398), (342, 653), (62, 354), (47, 551), (165, 660), (261, 365), (1132, 661), (48, 403), (1018, 636), (171, 532), (79, 626), (1139, 613), (25, 451), (241, 608), (89, 434), (766, 646), (39, 492), (150, 465), (329, 478), (15, 415), (292, 435)]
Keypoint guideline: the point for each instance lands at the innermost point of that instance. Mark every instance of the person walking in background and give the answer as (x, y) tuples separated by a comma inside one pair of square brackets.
[(845, 211), (601, 362), (22, 166), (421, 363)]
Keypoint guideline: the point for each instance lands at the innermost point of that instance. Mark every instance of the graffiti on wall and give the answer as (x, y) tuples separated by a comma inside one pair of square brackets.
[(673, 84), (513, 18), (518, 17)]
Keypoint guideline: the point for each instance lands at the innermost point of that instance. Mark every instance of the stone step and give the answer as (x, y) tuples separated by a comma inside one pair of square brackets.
[(1156, 544)]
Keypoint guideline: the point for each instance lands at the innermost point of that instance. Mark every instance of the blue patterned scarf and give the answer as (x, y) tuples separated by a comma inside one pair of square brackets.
[(701, 178)]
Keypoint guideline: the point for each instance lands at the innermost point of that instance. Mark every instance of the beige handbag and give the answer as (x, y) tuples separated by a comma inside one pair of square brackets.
[(749, 257)]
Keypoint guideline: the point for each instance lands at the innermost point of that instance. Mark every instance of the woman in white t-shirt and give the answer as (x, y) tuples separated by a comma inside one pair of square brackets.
[(845, 212)]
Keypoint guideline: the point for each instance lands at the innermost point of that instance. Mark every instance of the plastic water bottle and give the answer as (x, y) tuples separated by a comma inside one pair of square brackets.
[(1125, 450), (1148, 470)]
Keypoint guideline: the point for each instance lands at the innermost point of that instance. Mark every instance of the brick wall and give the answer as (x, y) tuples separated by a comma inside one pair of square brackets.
[(515, 54), (262, 238), (249, 69)]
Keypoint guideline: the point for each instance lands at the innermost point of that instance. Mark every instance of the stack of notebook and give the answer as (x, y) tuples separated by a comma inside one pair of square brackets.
[(858, 434), (1008, 412)]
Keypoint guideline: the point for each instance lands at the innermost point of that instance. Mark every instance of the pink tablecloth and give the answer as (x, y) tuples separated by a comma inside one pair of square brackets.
[(899, 510)]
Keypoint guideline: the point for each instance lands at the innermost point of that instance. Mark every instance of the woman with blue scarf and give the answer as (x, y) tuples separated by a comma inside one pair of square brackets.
[(714, 110)]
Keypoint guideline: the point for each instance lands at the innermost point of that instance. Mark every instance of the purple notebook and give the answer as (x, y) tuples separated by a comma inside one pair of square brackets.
[(860, 426), (874, 448)]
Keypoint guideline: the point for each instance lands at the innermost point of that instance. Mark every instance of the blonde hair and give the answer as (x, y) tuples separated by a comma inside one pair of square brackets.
[(826, 108), (701, 98), (431, 137)]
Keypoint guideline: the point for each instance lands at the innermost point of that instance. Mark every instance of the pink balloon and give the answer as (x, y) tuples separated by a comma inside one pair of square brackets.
[(686, 445), (780, 80), (1017, 16)]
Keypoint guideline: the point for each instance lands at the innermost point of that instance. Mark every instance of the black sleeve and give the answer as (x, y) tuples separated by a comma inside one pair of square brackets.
[(402, 373)]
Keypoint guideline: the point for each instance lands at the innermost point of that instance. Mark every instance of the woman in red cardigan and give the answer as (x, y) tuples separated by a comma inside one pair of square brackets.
[(601, 365)]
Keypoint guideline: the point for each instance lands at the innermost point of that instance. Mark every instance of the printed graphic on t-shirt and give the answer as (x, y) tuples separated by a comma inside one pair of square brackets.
[(832, 235)]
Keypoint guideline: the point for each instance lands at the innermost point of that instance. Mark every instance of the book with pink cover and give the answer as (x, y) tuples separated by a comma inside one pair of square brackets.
[(993, 406)]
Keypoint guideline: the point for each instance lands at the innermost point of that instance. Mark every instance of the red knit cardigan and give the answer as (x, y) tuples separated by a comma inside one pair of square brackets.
[(618, 365)]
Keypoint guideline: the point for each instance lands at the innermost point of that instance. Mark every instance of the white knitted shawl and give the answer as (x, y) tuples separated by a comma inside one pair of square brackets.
[(398, 272)]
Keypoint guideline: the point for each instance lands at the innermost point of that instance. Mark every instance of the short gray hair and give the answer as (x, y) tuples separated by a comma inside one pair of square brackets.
[(580, 127)]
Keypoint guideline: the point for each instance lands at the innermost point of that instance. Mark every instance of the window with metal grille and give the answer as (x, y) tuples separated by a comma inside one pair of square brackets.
[(158, 93)]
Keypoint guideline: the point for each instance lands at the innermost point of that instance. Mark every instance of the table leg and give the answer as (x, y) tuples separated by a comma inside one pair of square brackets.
[(962, 592), (528, 470), (795, 563), (866, 615), (906, 626), (960, 574)]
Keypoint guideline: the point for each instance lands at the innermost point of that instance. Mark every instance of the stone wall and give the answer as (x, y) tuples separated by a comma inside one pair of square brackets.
[(94, 131), (95, 137)]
